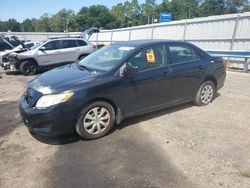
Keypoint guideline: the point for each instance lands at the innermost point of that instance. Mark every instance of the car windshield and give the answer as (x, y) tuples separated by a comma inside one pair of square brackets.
[(38, 44), (106, 58)]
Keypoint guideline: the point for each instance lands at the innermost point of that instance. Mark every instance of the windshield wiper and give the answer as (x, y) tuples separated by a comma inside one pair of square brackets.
[(87, 68)]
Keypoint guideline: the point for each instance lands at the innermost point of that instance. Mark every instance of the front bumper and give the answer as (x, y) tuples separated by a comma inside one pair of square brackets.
[(8, 65), (53, 121)]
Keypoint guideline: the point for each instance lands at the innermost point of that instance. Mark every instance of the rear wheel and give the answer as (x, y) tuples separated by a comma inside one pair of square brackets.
[(28, 68), (95, 120), (205, 94)]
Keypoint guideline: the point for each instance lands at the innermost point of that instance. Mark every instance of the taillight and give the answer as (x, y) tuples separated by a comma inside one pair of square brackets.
[(225, 63), (94, 46)]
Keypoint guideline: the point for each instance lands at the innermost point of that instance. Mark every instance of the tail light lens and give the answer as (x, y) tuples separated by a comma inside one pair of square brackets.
[(94, 46), (225, 63)]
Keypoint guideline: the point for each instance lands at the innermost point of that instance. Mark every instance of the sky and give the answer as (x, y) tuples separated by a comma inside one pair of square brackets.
[(22, 9)]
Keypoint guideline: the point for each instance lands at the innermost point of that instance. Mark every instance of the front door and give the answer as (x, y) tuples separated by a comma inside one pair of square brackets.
[(49, 54), (149, 88)]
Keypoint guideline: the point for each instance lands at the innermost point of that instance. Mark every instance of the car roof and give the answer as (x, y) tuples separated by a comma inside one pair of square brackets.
[(67, 38), (148, 42)]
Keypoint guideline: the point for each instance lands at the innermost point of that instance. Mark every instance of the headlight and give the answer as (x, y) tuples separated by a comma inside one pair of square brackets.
[(50, 100)]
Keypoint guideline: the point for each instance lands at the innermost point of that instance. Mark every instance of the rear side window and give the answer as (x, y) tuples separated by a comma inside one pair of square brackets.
[(69, 44), (81, 43), (52, 45), (148, 58), (182, 54)]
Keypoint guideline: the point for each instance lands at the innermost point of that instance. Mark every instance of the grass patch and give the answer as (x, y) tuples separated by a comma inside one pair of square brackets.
[(245, 174)]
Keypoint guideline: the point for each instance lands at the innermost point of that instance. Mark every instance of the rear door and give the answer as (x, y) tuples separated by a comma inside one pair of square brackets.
[(187, 69), (50, 54), (69, 50)]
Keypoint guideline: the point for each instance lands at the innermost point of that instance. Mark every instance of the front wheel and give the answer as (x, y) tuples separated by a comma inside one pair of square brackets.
[(205, 94), (28, 68), (95, 120)]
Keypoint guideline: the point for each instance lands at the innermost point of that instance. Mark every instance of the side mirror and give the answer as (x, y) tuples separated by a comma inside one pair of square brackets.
[(42, 48), (130, 71)]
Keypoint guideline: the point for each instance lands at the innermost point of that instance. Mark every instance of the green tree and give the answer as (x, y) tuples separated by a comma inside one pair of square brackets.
[(165, 6), (235, 6), (149, 10), (42, 24), (212, 7), (184, 9), (95, 16), (11, 25), (62, 21), (134, 13), (119, 12), (27, 26), (4, 26)]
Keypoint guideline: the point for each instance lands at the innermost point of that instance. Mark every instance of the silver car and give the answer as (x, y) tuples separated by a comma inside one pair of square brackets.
[(50, 53)]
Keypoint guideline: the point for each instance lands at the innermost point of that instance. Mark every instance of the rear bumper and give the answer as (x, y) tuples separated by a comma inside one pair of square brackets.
[(221, 81), (53, 121)]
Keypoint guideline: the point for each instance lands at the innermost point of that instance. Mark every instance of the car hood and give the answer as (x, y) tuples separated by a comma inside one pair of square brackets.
[(28, 53), (62, 79)]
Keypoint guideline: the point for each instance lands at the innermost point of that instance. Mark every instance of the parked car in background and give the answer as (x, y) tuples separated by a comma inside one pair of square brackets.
[(49, 54), (18, 49), (9, 42), (117, 82), (88, 33)]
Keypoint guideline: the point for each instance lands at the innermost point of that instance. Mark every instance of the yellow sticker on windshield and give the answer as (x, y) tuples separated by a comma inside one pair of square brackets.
[(150, 57)]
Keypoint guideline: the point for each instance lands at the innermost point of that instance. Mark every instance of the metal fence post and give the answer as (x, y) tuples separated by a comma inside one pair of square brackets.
[(245, 69), (152, 32), (129, 36), (234, 32), (111, 37), (184, 32), (97, 38)]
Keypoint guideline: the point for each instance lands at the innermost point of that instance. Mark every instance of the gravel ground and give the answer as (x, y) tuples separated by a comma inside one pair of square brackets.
[(185, 146)]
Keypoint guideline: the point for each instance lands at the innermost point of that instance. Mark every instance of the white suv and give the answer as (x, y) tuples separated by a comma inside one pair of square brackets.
[(50, 53)]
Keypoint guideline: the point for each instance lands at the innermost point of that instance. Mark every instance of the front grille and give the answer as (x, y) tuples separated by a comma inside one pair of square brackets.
[(28, 97), (5, 59)]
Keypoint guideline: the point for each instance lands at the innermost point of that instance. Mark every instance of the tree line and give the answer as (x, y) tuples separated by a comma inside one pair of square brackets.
[(127, 14)]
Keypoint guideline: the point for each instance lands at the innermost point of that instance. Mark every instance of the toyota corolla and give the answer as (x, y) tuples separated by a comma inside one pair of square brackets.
[(117, 82)]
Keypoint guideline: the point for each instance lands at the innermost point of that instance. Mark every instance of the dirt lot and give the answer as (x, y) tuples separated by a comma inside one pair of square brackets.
[(185, 146)]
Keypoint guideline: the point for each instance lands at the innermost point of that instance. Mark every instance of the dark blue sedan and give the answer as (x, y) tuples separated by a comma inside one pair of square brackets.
[(117, 82)]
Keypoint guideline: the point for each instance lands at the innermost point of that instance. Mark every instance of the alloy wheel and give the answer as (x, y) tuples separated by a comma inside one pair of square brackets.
[(29, 68), (207, 94)]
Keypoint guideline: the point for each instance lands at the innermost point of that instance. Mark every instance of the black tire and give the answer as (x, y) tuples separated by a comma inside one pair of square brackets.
[(83, 120), (202, 98), (28, 67)]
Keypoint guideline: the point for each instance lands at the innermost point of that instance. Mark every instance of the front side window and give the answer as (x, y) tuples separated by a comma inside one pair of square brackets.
[(182, 54), (52, 45), (148, 58), (106, 58), (38, 45), (69, 44)]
